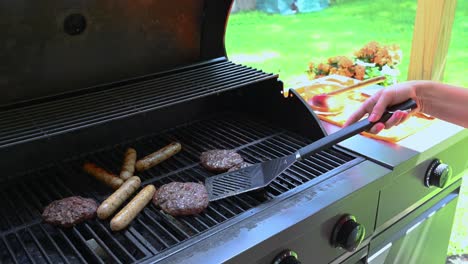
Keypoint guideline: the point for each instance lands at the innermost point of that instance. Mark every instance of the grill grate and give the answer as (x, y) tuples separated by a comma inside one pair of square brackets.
[(25, 239), (48, 118)]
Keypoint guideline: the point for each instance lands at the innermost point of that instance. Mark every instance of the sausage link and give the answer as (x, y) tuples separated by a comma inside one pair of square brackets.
[(113, 202), (128, 167), (131, 210), (158, 156), (102, 175)]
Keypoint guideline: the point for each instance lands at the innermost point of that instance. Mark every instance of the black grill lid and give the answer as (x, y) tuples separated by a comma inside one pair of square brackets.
[(53, 47)]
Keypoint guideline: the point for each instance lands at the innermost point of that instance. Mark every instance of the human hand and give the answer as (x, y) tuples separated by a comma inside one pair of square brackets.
[(375, 106)]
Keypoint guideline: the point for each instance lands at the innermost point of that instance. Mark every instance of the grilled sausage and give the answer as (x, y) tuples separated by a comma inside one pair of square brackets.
[(113, 202), (102, 175), (131, 210), (158, 156), (128, 167)]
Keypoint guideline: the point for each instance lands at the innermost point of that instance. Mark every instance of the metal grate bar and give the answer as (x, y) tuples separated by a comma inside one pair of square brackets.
[(189, 95), (87, 121), (10, 140), (338, 156), (87, 114), (239, 134), (101, 243), (136, 238), (23, 247), (246, 201), (318, 164), (39, 246), (279, 186), (72, 246), (5, 223), (153, 101), (215, 143), (326, 157), (217, 134), (7, 206), (74, 105), (6, 254), (81, 240), (161, 227), (299, 177), (10, 127), (14, 122), (7, 116), (167, 80), (52, 241), (171, 225), (29, 232), (324, 162), (31, 212), (10, 250), (192, 84), (248, 126), (162, 242)]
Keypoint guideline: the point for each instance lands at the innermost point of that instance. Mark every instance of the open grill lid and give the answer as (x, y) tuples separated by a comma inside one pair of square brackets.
[(56, 47), (79, 76)]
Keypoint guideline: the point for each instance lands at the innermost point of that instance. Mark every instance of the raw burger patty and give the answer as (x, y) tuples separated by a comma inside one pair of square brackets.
[(220, 160), (240, 166), (181, 198), (70, 211)]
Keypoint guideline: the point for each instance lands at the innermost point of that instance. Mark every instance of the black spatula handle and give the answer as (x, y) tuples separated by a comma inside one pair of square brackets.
[(352, 130)]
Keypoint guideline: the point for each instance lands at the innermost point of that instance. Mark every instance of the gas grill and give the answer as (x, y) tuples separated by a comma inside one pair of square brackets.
[(84, 81)]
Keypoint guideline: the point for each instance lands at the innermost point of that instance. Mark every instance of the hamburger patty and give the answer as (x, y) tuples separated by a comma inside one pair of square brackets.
[(70, 211), (220, 160), (240, 166), (181, 198)]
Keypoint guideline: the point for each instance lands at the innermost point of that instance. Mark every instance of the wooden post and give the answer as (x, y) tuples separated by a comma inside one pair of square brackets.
[(431, 39)]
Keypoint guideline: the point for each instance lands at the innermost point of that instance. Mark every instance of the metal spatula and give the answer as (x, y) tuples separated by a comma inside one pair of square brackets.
[(261, 174)]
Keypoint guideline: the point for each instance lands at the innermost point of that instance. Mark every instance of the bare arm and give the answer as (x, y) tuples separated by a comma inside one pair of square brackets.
[(446, 102)]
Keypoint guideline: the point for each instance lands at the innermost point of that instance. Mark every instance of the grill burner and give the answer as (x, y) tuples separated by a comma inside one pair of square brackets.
[(25, 239)]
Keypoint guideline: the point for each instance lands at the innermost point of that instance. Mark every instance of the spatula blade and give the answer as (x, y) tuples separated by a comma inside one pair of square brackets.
[(246, 179)]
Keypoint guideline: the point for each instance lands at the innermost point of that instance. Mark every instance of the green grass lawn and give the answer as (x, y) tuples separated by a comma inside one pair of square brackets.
[(286, 44)]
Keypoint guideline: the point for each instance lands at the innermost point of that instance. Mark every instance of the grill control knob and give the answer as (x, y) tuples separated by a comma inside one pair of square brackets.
[(286, 257), (348, 234), (438, 174)]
